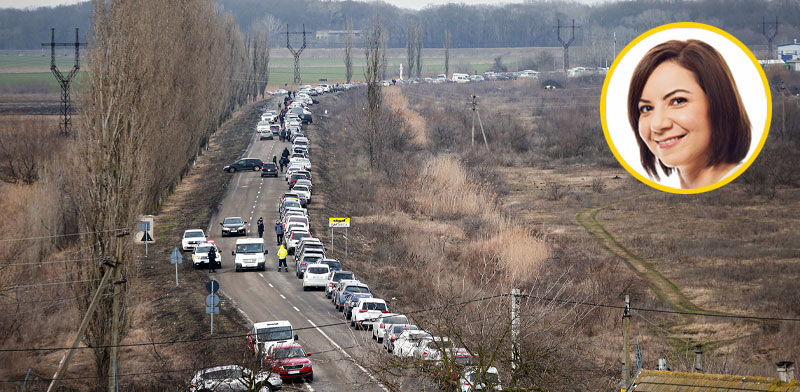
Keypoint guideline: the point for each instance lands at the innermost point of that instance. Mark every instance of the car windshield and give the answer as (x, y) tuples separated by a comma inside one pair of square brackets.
[(299, 235), (269, 165), (300, 188), (490, 378), (293, 352), (291, 203), (333, 264), (233, 221), (311, 260), (373, 306), (250, 248), (274, 333), (223, 374), (400, 328), (396, 320), (193, 234), (204, 248), (298, 219), (464, 361), (339, 276), (318, 270), (357, 289)]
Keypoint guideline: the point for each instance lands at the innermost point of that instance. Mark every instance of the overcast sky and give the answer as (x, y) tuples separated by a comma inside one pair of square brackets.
[(416, 4)]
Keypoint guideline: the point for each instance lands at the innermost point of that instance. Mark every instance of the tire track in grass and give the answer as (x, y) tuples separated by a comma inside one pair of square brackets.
[(663, 288)]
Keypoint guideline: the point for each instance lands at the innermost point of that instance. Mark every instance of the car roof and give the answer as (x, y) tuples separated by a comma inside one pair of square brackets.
[(234, 217), (250, 241), (373, 299), (277, 323), (192, 231), (320, 266), (285, 345)]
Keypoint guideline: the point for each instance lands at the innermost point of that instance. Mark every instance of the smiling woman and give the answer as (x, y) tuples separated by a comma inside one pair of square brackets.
[(686, 113)]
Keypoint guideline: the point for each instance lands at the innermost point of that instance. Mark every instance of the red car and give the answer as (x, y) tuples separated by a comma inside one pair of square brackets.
[(290, 361)]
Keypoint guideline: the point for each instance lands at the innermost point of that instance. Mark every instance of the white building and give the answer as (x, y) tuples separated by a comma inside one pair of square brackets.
[(790, 54)]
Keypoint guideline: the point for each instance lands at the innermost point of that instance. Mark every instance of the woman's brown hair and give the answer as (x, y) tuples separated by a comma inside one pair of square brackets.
[(730, 126)]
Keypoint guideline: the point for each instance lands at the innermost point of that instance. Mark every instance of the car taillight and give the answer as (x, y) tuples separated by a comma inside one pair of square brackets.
[(330, 284), (381, 326), (362, 311), (384, 311), (302, 263)]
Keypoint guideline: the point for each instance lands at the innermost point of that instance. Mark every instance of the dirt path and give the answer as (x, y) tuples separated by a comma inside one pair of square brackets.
[(663, 288)]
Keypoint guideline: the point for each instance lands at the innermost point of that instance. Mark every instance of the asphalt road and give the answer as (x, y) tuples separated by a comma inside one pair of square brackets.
[(272, 295)]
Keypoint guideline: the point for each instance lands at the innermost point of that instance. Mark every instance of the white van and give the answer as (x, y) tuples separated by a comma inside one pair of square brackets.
[(250, 253), (460, 78), (529, 73)]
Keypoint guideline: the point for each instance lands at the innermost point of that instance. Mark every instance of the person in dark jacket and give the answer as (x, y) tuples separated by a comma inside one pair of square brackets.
[(283, 135), (285, 152), (279, 231), (260, 227), (212, 259), (285, 162)]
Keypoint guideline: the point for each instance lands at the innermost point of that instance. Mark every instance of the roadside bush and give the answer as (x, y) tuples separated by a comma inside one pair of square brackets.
[(26, 143)]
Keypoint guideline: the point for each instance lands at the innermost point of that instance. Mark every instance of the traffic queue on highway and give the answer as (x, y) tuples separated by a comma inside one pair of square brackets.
[(274, 342)]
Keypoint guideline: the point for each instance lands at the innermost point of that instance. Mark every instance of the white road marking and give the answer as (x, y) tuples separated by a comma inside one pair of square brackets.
[(347, 355), (282, 296), (295, 308), (270, 285), (259, 274), (308, 386)]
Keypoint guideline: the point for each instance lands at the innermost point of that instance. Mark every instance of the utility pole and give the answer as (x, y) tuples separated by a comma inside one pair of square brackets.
[(626, 330), (64, 81), (474, 113), (116, 306), (783, 109), (62, 366), (769, 36), (615, 47), (296, 53), (567, 43), (515, 300)]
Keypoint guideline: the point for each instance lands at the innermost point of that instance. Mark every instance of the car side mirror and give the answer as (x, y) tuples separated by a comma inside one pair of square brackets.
[(269, 356), (266, 251), (308, 354), (296, 337), (233, 253), (220, 223)]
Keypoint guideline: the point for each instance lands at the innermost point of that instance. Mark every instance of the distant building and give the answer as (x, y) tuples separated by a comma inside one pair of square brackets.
[(790, 54), (336, 36)]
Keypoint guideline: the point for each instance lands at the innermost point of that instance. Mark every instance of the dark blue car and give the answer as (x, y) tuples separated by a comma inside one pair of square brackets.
[(347, 290), (335, 265), (350, 301)]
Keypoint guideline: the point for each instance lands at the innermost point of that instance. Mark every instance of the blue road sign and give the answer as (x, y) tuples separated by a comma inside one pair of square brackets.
[(176, 257), (212, 300), (212, 286)]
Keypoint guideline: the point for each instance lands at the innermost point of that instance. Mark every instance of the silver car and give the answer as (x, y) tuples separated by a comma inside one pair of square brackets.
[(234, 378)]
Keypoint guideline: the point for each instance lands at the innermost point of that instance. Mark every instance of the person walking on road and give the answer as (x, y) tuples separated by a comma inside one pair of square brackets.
[(260, 227), (279, 231), (284, 162), (282, 259), (285, 153), (275, 160)]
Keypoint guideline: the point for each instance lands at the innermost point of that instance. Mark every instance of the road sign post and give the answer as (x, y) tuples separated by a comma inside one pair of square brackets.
[(339, 222), (212, 301), (144, 233), (175, 258)]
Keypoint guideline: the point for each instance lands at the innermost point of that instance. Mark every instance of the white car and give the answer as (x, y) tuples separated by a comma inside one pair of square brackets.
[(234, 378), (200, 255), (472, 380), (192, 238), (292, 238), (405, 343), (303, 190), (304, 163), (316, 276), (264, 335), (367, 311), (430, 349), (384, 321), (333, 280)]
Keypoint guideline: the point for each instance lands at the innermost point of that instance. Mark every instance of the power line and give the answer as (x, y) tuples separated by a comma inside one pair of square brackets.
[(49, 262), (62, 235), (46, 284)]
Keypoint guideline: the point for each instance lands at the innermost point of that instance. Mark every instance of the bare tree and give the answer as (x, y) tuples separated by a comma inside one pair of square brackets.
[(375, 52), (447, 52), (260, 31), (348, 51), (418, 49), (411, 60)]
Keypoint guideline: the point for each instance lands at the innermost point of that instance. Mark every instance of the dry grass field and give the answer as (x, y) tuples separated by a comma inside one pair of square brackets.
[(599, 233)]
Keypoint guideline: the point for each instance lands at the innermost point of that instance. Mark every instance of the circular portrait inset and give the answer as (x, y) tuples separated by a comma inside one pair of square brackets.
[(686, 108)]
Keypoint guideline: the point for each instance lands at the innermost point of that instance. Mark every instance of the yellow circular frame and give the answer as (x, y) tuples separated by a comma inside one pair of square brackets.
[(648, 181)]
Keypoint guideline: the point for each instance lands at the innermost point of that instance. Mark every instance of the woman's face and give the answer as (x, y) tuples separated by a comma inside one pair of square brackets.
[(673, 118)]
